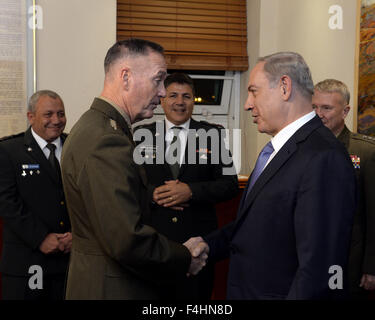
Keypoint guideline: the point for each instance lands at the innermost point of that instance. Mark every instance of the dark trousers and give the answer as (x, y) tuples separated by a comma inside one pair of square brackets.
[(197, 287), (17, 288)]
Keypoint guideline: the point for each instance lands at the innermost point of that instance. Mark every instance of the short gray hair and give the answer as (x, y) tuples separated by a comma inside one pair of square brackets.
[(131, 46), (290, 64), (35, 98), (333, 85)]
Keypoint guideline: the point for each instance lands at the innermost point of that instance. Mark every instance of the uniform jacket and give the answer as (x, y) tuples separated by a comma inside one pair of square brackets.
[(32, 205), (114, 255), (295, 223), (206, 180), (362, 254)]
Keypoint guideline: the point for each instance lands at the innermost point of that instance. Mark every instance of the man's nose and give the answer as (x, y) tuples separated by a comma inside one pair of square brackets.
[(249, 104), (162, 92), (179, 100), (319, 112), (55, 118)]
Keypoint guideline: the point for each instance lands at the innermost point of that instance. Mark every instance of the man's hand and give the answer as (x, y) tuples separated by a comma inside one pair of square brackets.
[(173, 194), (50, 243), (368, 282), (199, 251), (65, 242)]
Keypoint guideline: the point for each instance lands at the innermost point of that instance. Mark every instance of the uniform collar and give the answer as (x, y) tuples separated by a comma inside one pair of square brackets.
[(120, 111), (42, 143)]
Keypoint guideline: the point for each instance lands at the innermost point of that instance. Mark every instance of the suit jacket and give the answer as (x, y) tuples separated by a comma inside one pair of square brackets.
[(32, 205), (362, 252), (114, 255), (207, 182), (295, 223)]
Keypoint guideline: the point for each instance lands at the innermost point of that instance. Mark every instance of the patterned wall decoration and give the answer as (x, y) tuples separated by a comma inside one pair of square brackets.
[(366, 90)]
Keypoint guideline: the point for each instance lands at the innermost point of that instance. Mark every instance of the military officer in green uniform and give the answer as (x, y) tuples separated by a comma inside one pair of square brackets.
[(115, 255), (331, 103)]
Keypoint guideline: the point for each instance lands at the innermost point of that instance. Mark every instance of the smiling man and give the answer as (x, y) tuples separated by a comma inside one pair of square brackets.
[(115, 255), (32, 204), (184, 193)]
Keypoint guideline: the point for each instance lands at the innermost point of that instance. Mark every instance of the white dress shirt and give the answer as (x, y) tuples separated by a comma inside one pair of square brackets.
[(183, 134), (286, 133), (43, 145)]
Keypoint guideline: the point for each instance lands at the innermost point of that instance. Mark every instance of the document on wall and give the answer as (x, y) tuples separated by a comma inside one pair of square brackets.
[(13, 66)]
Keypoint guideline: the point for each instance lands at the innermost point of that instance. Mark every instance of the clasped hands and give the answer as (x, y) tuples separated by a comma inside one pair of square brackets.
[(55, 242), (173, 194), (199, 253)]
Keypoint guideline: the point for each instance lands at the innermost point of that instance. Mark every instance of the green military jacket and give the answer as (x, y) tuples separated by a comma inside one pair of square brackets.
[(362, 256), (114, 254)]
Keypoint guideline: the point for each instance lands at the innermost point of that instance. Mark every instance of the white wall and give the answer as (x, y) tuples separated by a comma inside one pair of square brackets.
[(71, 48), (77, 33), (300, 26)]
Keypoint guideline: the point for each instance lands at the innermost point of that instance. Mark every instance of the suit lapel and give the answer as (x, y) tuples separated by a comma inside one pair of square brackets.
[(281, 157), (33, 149), (288, 149)]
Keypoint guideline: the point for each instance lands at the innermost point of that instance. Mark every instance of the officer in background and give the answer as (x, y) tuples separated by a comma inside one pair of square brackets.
[(331, 103), (36, 228), (185, 189)]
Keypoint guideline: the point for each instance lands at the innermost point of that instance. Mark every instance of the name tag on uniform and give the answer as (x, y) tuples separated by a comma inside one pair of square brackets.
[(30, 166)]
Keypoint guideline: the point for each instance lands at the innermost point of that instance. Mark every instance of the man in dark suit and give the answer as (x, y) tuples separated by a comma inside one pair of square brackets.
[(291, 236), (184, 199), (331, 103), (36, 235), (115, 254)]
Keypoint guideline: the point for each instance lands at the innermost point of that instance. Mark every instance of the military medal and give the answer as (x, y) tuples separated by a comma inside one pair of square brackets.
[(113, 124), (356, 161)]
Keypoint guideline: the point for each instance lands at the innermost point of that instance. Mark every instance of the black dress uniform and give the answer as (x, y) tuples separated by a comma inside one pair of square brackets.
[(32, 205), (362, 251), (208, 185)]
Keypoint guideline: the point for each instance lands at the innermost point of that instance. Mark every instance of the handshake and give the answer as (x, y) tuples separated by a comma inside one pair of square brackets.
[(199, 253)]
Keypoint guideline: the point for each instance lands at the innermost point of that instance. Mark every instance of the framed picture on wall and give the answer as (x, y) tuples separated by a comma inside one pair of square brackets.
[(17, 63), (366, 72)]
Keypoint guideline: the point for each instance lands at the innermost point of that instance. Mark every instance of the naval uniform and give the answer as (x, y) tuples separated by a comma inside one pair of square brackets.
[(32, 205)]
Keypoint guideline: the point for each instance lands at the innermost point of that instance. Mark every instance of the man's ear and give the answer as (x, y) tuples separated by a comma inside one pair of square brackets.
[(285, 87), (346, 111), (30, 117), (125, 75)]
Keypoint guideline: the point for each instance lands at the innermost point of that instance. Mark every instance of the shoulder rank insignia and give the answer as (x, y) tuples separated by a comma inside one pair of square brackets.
[(356, 161), (113, 124)]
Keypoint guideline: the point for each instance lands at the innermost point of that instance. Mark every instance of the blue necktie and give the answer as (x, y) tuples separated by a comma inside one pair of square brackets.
[(259, 165)]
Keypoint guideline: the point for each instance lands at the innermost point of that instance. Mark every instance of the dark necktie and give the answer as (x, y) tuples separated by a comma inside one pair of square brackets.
[(263, 157), (174, 152), (53, 160)]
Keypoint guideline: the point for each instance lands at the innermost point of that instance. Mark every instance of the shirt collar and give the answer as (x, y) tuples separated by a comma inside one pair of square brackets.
[(284, 135), (169, 125), (42, 143)]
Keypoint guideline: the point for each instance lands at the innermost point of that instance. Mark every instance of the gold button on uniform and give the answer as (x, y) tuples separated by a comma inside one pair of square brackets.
[(174, 219), (62, 203), (61, 223)]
